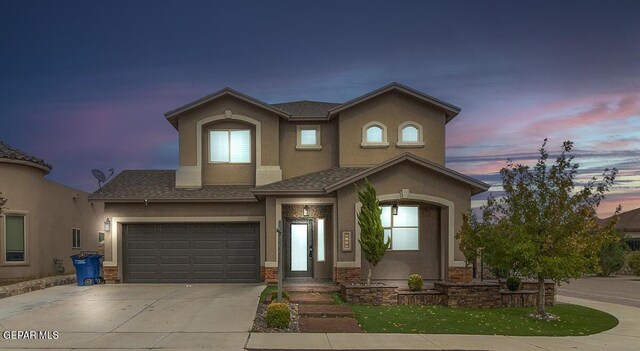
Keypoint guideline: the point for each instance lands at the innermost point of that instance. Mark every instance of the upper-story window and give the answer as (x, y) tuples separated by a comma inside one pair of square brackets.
[(374, 134), (410, 135), (308, 137), (230, 146)]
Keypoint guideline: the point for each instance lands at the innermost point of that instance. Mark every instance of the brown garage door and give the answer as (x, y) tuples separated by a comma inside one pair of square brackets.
[(191, 252)]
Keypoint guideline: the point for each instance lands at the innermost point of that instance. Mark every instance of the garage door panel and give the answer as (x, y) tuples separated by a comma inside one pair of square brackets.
[(207, 244), (191, 252), (141, 244)]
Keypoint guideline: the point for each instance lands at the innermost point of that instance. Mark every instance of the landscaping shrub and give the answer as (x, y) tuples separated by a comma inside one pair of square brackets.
[(278, 315), (500, 273), (416, 283), (612, 256), (513, 283), (633, 260), (274, 296)]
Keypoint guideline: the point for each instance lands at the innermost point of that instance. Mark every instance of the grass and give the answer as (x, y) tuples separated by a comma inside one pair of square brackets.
[(574, 320), (268, 290)]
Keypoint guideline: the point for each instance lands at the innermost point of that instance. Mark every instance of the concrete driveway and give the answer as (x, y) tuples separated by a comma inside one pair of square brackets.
[(133, 316)]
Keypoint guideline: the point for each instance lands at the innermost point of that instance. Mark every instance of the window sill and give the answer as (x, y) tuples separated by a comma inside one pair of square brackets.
[(308, 147), (374, 145), (409, 145), (14, 264)]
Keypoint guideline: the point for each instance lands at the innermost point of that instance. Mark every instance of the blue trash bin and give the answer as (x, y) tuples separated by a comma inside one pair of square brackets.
[(88, 270)]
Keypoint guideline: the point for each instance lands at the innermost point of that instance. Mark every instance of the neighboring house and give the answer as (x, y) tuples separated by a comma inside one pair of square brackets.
[(244, 165), (629, 223), (42, 220)]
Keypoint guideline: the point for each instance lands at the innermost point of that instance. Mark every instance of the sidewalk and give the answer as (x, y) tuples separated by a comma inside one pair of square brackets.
[(623, 337)]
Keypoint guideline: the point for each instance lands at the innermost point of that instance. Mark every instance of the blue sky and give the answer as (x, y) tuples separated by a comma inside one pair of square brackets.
[(85, 84)]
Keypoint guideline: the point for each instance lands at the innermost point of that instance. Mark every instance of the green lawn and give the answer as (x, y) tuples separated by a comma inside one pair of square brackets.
[(574, 320)]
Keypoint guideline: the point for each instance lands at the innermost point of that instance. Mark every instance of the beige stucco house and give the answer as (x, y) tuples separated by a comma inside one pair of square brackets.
[(245, 165), (42, 220)]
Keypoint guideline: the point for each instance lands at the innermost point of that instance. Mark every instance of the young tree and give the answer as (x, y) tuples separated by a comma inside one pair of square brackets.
[(371, 232), (543, 227)]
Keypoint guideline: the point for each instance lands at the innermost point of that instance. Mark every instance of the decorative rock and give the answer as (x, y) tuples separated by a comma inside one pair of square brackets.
[(36, 284)]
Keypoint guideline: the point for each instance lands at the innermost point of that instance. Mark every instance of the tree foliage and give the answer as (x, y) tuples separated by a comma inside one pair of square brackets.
[(544, 226), (371, 232), (3, 202)]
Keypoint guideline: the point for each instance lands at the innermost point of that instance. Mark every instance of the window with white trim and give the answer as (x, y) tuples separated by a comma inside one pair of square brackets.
[(230, 146), (374, 134), (75, 237), (308, 137), (410, 135), (402, 229), (14, 238)]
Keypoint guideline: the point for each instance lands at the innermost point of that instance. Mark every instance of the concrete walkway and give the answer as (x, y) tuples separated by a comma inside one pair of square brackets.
[(624, 337)]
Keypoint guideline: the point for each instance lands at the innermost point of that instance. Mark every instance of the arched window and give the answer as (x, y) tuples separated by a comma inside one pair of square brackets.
[(374, 134), (410, 135)]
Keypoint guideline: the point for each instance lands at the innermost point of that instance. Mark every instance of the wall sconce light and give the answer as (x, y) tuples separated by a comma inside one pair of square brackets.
[(107, 225), (305, 211), (394, 210)]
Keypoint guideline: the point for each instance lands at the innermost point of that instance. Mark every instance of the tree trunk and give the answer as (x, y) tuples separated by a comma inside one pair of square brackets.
[(541, 310), (369, 276)]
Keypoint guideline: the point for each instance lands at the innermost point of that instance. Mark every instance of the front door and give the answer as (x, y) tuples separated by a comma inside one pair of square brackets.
[(298, 240)]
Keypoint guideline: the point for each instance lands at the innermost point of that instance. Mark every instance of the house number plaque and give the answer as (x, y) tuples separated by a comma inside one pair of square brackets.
[(347, 245)]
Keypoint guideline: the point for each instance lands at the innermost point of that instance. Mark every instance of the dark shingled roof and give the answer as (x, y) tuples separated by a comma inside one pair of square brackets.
[(306, 108), (312, 182), (11, 153), (627, 221), (154, 185)]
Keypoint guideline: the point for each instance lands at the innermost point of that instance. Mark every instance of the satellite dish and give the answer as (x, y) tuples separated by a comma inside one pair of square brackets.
[(100, 176)]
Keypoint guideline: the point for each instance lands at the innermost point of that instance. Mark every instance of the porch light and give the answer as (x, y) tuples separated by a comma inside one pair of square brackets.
[(394, 210), (305, 211), (107, 225)]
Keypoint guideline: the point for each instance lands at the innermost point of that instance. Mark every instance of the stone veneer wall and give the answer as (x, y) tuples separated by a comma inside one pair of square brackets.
[(478, 294), (428, 297), (36, 284), (347, 275), (460, 274), (549, 290), (377, 295), (110, 274), (269, 274)]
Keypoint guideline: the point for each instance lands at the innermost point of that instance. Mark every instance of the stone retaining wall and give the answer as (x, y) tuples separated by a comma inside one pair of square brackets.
[(476, 294), (376, 295), (472, 294), (36, 284), (427, 297)]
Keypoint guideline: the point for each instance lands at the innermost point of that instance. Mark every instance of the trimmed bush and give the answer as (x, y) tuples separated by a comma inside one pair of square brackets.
[(513, 283), (274, 296), (278, 315), (612, 256), (416, 283), (633, 260)]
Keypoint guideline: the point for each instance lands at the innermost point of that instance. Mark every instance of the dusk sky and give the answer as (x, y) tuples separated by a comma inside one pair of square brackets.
[(84, 84)]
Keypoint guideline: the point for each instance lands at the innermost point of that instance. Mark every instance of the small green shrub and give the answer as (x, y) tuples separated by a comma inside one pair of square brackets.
[(416, 283), (274, 296), (612, 256), (278, 315), (513, 283), (498, 272), (633, 260)]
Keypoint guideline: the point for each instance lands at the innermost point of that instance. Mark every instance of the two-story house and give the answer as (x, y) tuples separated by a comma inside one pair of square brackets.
[(245, 166)]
